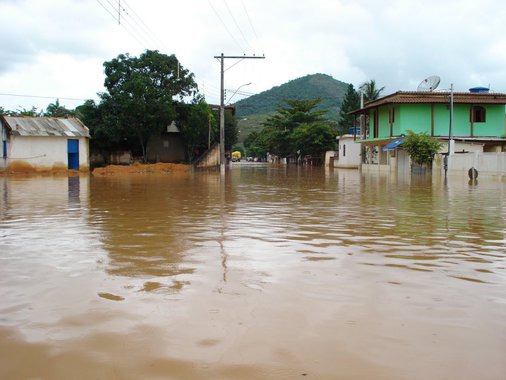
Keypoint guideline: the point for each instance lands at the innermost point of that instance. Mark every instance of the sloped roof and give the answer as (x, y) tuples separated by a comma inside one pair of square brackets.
[(403, 97), (45, 126)]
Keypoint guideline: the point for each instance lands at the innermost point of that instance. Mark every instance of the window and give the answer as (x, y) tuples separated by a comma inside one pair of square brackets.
[(392, 115), (344, 150), (4, 149), (477, 114), (375, 123)]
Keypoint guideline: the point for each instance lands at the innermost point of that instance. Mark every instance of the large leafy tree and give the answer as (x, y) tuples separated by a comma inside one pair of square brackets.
[(370, 90), (294, 113), (256, 144), (105, 132), (296, 128), (197, 125), (231, 130), (140, 94), (314, 139), (351, 102)]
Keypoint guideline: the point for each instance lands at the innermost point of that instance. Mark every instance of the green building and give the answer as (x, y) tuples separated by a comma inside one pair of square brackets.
[(479, 123)]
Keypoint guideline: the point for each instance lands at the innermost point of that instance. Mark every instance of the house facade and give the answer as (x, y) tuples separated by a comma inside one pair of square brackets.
[(478, 125), (43, 144), (167, 146), (348, 154)]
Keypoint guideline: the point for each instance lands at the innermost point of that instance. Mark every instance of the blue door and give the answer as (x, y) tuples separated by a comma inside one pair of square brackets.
[(73, 153)]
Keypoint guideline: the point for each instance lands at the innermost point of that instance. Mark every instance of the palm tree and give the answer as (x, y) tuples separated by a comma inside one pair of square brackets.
[(370, 91)]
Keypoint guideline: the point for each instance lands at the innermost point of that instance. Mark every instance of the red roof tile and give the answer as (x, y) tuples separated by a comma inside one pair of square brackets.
[(403, 97)]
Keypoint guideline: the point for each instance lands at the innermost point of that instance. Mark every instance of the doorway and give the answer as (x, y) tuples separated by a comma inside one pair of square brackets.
[(73, 154)]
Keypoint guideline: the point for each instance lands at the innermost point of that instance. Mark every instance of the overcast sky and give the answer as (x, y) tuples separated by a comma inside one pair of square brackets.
[(56, 48)]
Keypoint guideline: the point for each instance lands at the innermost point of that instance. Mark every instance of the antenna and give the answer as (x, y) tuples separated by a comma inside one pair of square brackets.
[(429, 83)]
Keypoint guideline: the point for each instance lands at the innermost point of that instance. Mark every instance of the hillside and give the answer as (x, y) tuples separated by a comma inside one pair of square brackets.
[(252, 111)]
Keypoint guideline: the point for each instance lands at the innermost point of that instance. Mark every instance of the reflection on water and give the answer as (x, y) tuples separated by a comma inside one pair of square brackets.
[(267, 272)]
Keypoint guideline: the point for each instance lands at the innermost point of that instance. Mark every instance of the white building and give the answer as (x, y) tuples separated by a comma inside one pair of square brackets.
[(348, 153), (43, 143)]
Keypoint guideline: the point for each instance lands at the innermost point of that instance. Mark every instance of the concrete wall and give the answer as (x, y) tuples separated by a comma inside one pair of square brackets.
[(168, 147), (486, 163), (348, 153), (210, 159), (38, 153)]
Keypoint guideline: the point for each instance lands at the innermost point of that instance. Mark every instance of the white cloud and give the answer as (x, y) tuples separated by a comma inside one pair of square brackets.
[(57, 47)]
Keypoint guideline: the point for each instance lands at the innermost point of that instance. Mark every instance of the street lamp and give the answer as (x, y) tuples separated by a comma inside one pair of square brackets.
[(238, 88)]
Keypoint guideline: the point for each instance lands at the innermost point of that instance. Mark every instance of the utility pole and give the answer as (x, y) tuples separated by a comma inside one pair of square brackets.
[(222, 58)]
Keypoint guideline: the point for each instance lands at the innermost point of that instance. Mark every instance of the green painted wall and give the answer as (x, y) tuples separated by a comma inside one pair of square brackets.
[(384, 124), (495, 122), (441, 119), (417, 117)]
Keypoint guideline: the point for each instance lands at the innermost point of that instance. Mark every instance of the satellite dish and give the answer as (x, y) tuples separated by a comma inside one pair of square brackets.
[(429, 84)]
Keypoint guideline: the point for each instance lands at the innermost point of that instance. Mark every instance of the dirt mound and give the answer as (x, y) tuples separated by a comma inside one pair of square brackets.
[(159, 167)]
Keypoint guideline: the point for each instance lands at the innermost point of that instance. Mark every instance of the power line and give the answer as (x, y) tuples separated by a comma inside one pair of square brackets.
[(249, 19), (143, 25), (45, 97), (225, 26), (237, 25), (123, 25)]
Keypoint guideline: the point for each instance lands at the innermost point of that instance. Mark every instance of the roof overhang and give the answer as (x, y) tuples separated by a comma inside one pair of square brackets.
[(428, 97)]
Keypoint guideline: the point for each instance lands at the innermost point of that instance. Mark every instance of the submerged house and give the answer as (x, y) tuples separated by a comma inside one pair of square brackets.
[(167, 146), (478, 125), (43, 143)]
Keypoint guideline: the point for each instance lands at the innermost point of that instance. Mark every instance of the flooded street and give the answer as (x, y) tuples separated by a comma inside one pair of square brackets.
[(269, 273)]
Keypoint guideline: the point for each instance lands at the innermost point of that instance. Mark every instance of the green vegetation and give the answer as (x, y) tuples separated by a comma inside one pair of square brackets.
[(421, 147), (140, 103), (370, 90), (297, 129), (140, 92), (351, 102), (52, 110), (253, 111)]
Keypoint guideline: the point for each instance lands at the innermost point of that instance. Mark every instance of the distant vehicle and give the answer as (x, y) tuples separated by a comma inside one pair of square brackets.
[(236, 156)]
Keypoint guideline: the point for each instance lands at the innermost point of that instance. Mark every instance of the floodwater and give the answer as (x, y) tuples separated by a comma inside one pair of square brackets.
[(263, 273)]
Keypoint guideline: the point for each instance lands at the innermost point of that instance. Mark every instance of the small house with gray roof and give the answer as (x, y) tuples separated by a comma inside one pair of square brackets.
[(43, 143)]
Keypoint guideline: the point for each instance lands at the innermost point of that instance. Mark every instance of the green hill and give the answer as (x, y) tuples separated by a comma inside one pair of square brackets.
[(252, 111)]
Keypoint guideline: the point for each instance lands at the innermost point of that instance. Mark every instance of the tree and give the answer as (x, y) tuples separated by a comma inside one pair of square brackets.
[(278, 129), (105, 132), (314, 139), (140, 93), (370, 90), (33, 112), (256, 144), (421, 147), (351, 102), (56, 110), (231, 130), (294, 113), (195, 121)]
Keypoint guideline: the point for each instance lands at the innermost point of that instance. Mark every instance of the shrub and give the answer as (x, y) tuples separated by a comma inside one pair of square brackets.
[(421, 147)]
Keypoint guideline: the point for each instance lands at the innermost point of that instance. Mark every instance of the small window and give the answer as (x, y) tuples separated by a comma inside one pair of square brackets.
[(477, 114), (344, 150), (4, 149)]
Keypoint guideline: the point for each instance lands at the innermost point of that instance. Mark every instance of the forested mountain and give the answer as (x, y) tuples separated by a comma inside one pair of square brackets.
[(253, 111), (330, 90)]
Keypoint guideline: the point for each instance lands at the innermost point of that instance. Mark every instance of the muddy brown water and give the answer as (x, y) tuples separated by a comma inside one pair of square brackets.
[(264, 273)]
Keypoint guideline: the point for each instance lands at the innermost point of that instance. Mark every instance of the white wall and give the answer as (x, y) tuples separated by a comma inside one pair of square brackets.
[(44, 152), (485, 163), (348, 153)]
